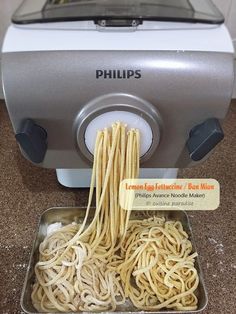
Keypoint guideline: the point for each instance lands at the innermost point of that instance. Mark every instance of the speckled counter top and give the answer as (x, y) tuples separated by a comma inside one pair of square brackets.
[(26, 191)]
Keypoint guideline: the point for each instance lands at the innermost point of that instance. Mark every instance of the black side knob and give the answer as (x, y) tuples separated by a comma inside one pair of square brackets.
[(203, 138), (33, 140)]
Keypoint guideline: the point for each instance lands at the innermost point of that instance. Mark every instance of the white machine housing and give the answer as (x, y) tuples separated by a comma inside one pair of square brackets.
[(169, 77)]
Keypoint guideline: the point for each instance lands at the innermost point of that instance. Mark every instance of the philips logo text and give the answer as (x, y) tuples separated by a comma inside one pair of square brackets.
[(118, 74)]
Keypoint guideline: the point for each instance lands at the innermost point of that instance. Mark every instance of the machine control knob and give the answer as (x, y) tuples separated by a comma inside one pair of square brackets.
[(203, 138), (33, 140)]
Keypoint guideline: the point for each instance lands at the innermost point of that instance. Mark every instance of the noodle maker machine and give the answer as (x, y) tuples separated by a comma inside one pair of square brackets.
[(71, 67)]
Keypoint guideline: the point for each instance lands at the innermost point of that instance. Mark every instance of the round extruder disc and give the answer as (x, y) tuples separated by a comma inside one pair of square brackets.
[(132, 120)]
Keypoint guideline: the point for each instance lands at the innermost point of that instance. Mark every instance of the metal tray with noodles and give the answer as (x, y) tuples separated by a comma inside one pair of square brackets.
[(68, 215)]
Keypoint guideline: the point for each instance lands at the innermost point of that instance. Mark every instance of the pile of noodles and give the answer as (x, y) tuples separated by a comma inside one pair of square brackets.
[(98, 266)]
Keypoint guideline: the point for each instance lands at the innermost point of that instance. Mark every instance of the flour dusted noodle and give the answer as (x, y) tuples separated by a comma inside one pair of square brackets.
[(157, 268), (98, 266)]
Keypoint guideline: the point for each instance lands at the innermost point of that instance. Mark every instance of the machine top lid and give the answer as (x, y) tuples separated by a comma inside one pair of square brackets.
[(117, 12)]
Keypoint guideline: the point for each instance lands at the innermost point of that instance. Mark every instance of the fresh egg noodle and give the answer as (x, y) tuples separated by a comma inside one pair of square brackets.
[(100, 265)]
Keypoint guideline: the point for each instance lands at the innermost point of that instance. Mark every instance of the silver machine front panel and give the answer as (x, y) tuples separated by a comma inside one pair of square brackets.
[(178, 90)]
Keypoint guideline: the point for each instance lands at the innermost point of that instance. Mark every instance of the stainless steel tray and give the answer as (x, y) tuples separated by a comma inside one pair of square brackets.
[(67, 215)]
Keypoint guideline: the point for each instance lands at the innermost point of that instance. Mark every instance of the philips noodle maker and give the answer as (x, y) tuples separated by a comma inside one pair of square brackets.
[(73, 67)]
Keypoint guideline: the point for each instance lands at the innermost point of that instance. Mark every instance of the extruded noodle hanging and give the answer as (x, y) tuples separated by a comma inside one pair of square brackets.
[(98, 266)]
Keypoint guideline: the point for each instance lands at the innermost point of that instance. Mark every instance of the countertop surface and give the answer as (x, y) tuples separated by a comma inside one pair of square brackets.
[(26, 191)]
